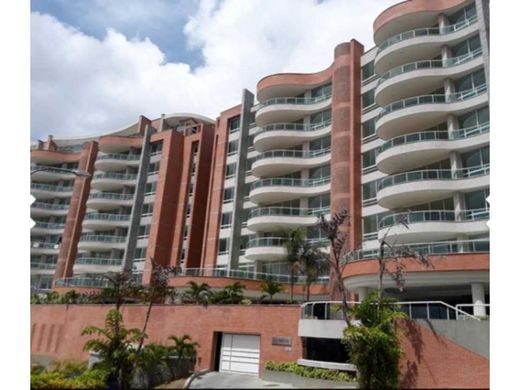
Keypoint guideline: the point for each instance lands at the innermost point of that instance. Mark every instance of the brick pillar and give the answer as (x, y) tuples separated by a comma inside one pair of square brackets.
[(77, 208)]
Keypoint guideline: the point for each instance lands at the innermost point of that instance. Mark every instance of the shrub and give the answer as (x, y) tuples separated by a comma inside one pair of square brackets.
[(310, 372), (90, 379)]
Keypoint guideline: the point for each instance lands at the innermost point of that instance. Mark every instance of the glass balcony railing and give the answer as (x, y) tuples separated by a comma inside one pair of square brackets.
[(117, 156), (115, 175), (110, 195), (430, 64), (50, 187), (43, 266), (434, 216), (293, 127), (45, 245), (432, 174), (102, 238), (49, 206), (98, 261), (421, 32), (443, 135), (46, 168), (287, 211), (49, 225), (94, 280), (296, 100), (107, 217), (293, 154), (289, 182), (433, 99)]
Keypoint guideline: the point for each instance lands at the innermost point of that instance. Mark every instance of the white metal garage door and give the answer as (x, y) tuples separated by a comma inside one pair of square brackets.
[(240, 353)]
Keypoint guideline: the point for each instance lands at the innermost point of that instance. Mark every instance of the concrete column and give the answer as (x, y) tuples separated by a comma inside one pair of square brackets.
[(482, 7), (362, 293), (478, 297), (443, 21)]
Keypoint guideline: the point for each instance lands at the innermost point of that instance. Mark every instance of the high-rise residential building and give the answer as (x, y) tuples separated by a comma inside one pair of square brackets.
[(396, 133)]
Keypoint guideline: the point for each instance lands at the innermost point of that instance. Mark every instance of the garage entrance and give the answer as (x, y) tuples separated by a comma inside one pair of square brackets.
[(240, 353)]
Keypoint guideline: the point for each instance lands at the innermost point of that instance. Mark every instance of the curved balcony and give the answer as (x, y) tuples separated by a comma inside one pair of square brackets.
[(47, 191), (84, 264), (105, 221), (93, 242), (281, 189), (53, 157), (418, 149), (420, 77), (417, 187), (283, 162), (47, 227), (287, 135), (85, 281), (432, 225), (50, 173), (106, 181), (116, 161), (42, 268), (41, 209), (426, 111), (266, 249), (290, 109), (282, 218), (108, 200), (44, 248), (420, 44)]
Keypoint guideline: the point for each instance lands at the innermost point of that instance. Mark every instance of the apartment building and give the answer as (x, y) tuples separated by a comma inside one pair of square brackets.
[(397, 131)]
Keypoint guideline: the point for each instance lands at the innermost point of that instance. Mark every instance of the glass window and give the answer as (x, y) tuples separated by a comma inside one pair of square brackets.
[(467, 46), (476, 158), (234, 124), (319, 172), (463, 14), (477, 199), (318, 144), (223, 246), (319, 202), (370, 190), (324, 90), (320, 117), (232, 147), (231, 170), (477, 117), (368, 98), (471, 81), (369, 224), (228, 194), (226, 220), (369, 128), (369, 158), (367, 70)]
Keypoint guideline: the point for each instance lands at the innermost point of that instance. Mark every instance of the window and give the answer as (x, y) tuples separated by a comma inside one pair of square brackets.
[(153, 168), (249, 165), (140, 253), (370, 227), (468, 46), (466, 13), (367, 71), (228, 195), (476, 158), (368, 99), (147, 210), (225, 220), (232, 148), (156, 148), (188, 210), (231, 170), (443, 204), (324, 90), (369, 161), (319, 202), (477, 199), (234, 124), (247, 190), (320, 117), (223, 246), (369, 129), (250, 141), (185, 232), (471, 81), (150, 188), (475, 118), (370, 193), (319, 172), (243, 242), (144, 231), (321, 143)]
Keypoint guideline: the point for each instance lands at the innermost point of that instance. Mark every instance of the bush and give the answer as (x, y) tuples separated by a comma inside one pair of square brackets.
[(90, 379), (310, 372)]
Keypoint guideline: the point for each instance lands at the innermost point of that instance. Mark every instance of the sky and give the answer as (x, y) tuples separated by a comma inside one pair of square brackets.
[(96, 65)]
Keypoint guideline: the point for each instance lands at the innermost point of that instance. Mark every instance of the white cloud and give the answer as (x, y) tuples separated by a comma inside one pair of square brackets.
[(83, 85)]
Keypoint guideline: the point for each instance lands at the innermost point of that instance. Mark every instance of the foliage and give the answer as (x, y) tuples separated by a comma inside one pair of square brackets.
[(295, 245), (231, 294), (151, 364), (246, 301), (69, 375), (184, 347), (374, 345), (199, 293), (271, 288), (309, 372), (68, 367), (115, 347)]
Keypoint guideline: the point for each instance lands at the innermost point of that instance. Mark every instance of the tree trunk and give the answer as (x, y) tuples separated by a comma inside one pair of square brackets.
[(147, 318), (292, 284)]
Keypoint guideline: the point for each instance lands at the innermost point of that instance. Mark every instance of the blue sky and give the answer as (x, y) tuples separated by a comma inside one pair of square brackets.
[(96, 65)]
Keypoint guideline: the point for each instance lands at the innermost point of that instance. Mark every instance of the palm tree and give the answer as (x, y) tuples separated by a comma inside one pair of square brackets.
[(199, 293), (235, 292), (184, 347), (294, 244), (313, 263), (271, 288)]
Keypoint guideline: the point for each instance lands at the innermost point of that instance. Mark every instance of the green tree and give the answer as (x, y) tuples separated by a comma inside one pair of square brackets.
[(115, 347), (184, 347), (295, 244), (199, 293), (231, 294), (313, 263), (271, 288), (374, 344)]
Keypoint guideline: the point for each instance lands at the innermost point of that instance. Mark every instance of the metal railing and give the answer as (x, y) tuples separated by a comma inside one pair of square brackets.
[(434, 216), (433, 99), (101, 238), (49, 206), (293, 127), (296, 100), (293, 153), (43, 266), (111, 195), (290, 182), (98, 261), (421, 32), (49, 225), (460, 306), (431, 248), (432, 174), (107, 217), (115, 175), (98, 281), (50, 187), (438, 135), (287, 211), (431, 310), (45, 245), (118, 156), (47, 168), (430, 64)]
